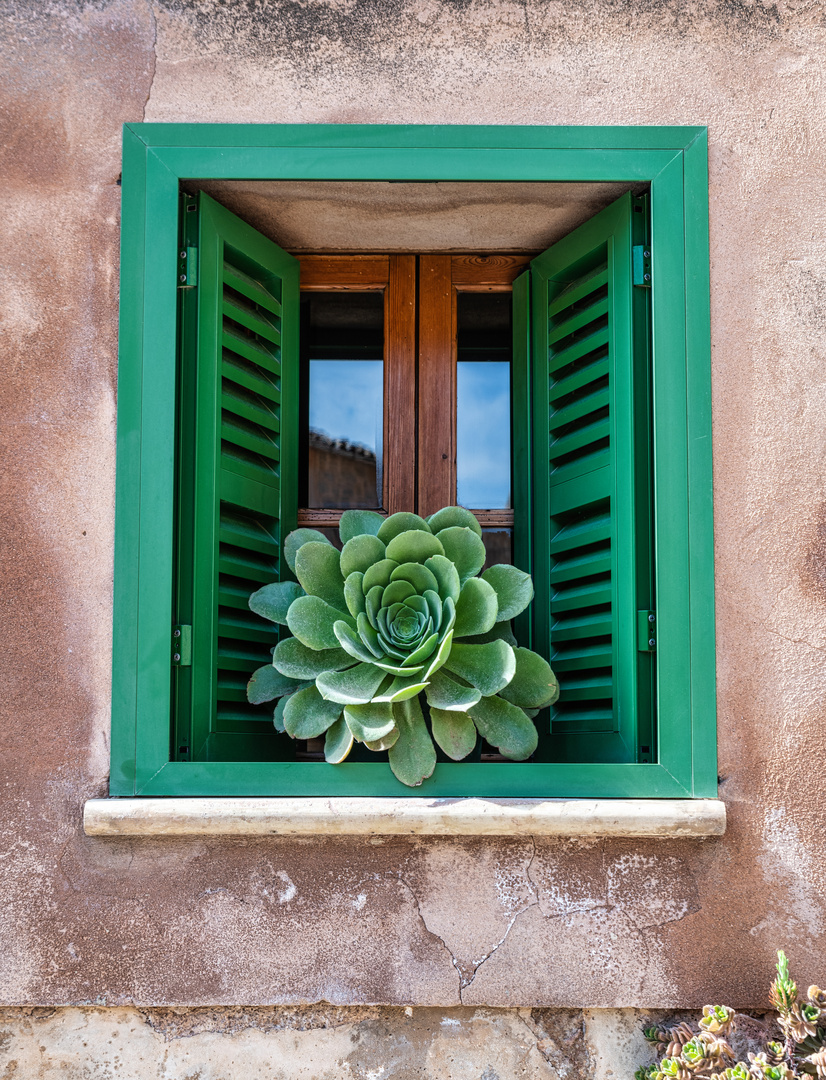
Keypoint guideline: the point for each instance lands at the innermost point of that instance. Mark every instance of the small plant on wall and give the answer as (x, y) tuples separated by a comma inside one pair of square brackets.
[(704, 1051), (399, 642)]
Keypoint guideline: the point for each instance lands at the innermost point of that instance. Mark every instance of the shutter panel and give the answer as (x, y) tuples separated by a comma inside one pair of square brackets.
[(237, 467), (591, 486)]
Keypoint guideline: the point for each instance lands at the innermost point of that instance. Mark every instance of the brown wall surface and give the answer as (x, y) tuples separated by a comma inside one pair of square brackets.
[(404, 921)]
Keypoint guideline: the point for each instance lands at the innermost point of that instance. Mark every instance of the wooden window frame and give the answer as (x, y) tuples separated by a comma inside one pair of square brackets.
[(673, 161), (419, 369)]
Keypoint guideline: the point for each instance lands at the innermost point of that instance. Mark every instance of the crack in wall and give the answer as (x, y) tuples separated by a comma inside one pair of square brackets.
[(534, 903), (793, 641), (433, 934), (153, 18)]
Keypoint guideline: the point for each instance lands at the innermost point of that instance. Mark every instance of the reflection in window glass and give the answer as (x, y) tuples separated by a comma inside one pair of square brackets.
[(343, 375), (498, 546), (483, 401)]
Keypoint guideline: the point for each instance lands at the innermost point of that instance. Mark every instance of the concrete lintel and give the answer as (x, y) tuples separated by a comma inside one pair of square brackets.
[(400, 816)]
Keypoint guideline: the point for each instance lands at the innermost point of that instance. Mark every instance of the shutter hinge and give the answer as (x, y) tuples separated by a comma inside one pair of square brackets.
[(181, 646), (646, 631), (187, 268), (642, 265)]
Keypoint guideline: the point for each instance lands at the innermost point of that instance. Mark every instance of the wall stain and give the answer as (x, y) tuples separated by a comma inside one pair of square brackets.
[(813, 571)]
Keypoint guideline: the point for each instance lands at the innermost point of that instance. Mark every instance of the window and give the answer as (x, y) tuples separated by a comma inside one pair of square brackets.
[(610, 378)]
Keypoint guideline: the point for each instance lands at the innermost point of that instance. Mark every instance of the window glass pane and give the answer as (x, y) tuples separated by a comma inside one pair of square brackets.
[(343, 391), (483, 401), (498, 546)]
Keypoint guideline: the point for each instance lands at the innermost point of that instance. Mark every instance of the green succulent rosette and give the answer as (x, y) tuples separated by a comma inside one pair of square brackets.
[(398, 629)]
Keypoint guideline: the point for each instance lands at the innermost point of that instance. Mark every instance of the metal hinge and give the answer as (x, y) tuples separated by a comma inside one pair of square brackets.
[(181, 646), (642, 265), (646, 631), (187, 268)]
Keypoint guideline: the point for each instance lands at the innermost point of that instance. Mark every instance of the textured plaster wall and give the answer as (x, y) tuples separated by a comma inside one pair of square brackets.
[(328, 1043), (436, 923)]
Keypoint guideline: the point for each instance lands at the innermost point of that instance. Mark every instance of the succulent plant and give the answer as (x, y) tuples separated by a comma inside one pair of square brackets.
[(397, 642), (705, 1054)]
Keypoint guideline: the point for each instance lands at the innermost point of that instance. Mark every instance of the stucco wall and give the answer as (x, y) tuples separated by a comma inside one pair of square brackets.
[(436, 923)]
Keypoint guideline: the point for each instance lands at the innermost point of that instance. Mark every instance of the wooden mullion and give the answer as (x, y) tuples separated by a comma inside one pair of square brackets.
[(399, 451), (437, 384)]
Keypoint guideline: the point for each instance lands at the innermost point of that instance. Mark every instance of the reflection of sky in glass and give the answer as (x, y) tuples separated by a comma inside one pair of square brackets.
[(483, 434), (346, 400)]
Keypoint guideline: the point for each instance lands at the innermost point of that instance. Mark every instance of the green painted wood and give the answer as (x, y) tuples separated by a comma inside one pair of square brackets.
[(591, 480), (424, 136), (700, 488), (234, 503), (156, 157), (157, 471), (671, 450), (514, 780), (412, 163), (521, 442), (127, 506)]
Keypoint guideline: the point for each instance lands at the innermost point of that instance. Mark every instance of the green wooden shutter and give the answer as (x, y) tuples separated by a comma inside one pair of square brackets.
[(591, 486), (237, 475)]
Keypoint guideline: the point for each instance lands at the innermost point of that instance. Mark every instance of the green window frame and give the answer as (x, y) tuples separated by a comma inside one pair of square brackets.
[(673, 162)]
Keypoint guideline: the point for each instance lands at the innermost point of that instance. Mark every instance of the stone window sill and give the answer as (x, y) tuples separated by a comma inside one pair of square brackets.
[(404, 817)]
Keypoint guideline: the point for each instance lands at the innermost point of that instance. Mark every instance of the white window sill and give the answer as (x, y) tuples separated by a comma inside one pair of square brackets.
[(401, 817)]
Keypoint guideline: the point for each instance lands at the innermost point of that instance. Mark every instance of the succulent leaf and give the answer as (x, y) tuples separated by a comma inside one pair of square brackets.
[(357, 522), (278, 713), (351, 642), (378, 574), (395, 592), (414, 546), (360, 553), (369, 637), (299, 537), (370, 722), (399, 523), (464, 549), (419, 576), (281, 704), (401, 689), (317, 567), (355, 686), (454, 732), (312, 621), (273, 601), (476, 608), (534, 685), (450, 516), (418, 656), (447, 576), (385, 742), (296, 661), (354, 593), (307, 715), (338, 742), (412, 757), (441, 656), (267, 683), (505, 727), (514, 589), (487, 667), (499, 631), (448, 695)]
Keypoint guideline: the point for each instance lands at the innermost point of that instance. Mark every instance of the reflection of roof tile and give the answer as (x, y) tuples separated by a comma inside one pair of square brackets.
[(322, 442)]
